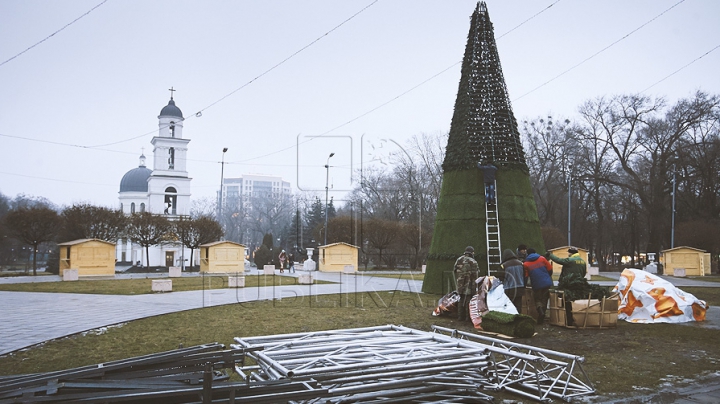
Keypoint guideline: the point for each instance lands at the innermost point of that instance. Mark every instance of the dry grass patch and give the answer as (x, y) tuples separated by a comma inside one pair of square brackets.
[(144, 285)]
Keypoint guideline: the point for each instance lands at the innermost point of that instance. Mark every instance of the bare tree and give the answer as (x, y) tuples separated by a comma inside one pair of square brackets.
[(148, 230), (645, 143), (88, 221), (33, 226), (193, 233), (381, 235), (548, 151)]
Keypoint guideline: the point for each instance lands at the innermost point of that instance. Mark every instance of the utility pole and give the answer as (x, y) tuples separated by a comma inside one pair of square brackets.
[(222, 177), (327, 181)]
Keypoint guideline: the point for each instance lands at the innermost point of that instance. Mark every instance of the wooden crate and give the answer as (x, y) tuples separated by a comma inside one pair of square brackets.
[(557, 309), (528, 304), (594, 313), (588, 313)]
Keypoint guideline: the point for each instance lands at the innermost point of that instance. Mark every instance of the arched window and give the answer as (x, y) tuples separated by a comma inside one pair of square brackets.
[(172, 129), (142, 207), (132, 207), (170, 201)]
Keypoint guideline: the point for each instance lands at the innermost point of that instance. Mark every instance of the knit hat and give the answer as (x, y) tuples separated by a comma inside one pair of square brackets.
[(572, 250)]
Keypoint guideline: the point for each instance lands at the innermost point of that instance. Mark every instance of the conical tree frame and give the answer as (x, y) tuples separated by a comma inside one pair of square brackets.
[(483, 130)]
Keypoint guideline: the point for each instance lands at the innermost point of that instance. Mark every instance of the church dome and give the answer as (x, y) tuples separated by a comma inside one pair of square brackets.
[(171, 110), (135, 180)]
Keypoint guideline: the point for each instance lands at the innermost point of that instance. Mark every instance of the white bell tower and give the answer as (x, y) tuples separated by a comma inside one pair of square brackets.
[(169, 184)]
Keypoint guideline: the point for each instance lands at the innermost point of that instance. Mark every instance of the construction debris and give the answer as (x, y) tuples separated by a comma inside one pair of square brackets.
[(363, 365)]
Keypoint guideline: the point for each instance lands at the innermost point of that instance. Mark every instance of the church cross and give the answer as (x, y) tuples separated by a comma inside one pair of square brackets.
[(172, 90)]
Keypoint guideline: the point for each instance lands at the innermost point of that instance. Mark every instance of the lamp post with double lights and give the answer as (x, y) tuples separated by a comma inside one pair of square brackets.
[(327, 182)]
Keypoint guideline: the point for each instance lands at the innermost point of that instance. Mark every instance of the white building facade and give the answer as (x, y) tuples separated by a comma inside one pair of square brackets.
[(254, 185), (164, 190)]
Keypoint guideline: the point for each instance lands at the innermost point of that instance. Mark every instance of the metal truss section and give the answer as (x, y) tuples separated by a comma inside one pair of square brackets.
[(375, 365), (529, 371), (386, 364), (190, 375)]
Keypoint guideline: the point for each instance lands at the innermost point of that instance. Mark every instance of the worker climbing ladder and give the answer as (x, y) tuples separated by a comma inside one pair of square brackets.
[(492, 233)]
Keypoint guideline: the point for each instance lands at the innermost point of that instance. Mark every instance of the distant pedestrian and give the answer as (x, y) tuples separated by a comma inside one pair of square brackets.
[(283, 258), (539, 271), (466, 272), (291, 262)]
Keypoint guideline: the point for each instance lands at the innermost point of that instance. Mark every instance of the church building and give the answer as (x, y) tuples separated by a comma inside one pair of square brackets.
[(164, 190)]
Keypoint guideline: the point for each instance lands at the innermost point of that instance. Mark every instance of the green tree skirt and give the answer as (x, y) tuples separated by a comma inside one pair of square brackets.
[(514, 325)]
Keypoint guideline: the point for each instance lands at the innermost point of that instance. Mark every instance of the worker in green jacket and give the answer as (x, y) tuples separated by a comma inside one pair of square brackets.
[(573, 264)]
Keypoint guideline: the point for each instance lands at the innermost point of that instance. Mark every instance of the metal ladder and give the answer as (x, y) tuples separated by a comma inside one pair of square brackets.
[(492, 235)]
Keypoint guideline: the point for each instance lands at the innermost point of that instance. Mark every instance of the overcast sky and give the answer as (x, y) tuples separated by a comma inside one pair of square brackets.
[(282, 84)]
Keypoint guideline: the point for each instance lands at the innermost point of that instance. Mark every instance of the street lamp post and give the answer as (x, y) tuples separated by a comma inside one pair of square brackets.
[(569, 214), (672, 225), (327, 181), (222, 177)]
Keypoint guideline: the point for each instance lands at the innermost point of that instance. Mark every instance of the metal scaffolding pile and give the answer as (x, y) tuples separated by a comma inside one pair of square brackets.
[(398, 364), (533, 372), (191, 375), (363, 365), (376, 364)]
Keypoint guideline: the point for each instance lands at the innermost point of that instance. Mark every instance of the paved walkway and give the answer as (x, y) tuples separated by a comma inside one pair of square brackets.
[(30, 318), (33, 318)]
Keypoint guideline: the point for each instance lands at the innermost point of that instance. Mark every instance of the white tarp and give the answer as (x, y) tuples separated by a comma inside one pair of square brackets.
[(647, 298), (490, 297)]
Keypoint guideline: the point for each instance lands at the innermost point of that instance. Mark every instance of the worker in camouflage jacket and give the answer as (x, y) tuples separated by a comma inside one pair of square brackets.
[(573, 264), (466, 272)]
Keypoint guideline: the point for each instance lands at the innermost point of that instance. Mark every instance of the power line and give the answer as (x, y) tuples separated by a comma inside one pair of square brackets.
[(598, 52), (523, 23), (53, 34), (56, 180), (432, 77), (287, 58), (97, 147), (682, 68), (199, 112), (398, 96)]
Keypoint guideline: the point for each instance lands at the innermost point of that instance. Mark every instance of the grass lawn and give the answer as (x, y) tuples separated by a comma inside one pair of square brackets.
[(144, 286), (629, 359)]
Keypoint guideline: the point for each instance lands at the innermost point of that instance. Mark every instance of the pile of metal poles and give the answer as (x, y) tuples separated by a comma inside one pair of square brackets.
[(399, 364), (530, 371), (372, 365), (199, 374), (386, 364)]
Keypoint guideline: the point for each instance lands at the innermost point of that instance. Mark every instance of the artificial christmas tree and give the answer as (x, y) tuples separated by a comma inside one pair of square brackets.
[(483, 132)]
